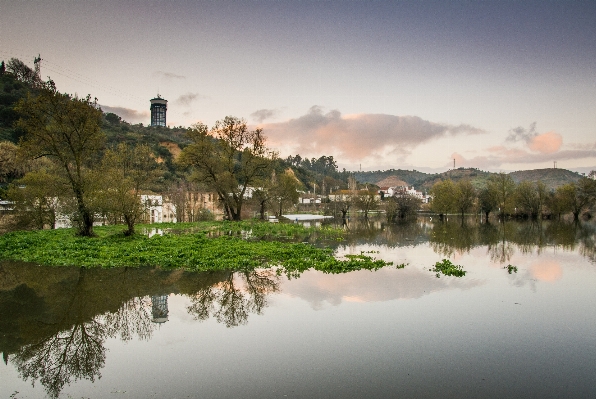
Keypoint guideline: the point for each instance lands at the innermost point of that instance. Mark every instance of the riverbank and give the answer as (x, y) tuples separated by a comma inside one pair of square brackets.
[(203, 246)]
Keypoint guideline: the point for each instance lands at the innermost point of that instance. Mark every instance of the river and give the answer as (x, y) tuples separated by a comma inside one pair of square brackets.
[(521, 331)]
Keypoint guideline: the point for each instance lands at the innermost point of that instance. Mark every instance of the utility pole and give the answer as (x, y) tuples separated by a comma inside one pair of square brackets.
[(453, 163)]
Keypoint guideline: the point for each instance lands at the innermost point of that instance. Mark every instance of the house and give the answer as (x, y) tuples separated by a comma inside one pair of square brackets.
[(408, 190)]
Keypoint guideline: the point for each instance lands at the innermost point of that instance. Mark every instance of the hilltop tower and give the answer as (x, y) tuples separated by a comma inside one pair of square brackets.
[(159, 106)]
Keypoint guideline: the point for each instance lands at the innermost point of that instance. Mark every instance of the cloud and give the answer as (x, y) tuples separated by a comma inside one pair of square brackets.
[(168, 75), (128, 114), (188, 98), (262, 114), (355, 137), (500, 155), (384, 285), (521, 134), (546, 143)]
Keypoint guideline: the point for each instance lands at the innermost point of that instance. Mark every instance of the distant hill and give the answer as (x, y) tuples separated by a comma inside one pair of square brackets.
[(476, 176), (391, 181), (553, 178), (411, 177)]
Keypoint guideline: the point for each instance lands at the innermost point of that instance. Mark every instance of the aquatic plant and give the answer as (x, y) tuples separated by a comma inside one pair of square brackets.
[(448, 269), (511, 268), (192, 247)]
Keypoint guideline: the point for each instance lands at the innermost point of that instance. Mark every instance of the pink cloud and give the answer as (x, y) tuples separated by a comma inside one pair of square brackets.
[(355, 137), (497, 156), (546, 143)]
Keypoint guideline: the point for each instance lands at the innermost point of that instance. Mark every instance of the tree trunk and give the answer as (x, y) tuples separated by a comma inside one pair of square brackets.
[(262, 210), (130, 224)]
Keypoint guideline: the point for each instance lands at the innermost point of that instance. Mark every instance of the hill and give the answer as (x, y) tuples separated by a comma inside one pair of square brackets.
[(553, 178), (476, 176), (391, 181), (411, 177)]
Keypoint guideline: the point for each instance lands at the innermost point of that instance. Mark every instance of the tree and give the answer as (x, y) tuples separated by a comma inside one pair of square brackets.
[(577, 197), (284, 192), (487, 200), (2, 68), (126, 171), (402, 206), (366, 201), (228, 158), (443, 197), (67, 130), (36, 198), (503, 187), (10, 166), (22, 72), (530, 198), (465, 196)]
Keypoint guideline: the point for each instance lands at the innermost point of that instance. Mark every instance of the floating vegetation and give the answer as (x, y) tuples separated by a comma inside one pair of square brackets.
[(511, 268), (448, 269), (200, 247)]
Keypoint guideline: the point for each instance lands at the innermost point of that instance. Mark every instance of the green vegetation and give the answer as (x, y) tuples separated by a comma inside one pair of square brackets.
[(198, 247), (511, 268), (503, 195), (448, 269)]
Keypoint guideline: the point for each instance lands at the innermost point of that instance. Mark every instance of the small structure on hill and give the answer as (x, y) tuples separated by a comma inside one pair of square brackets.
[(159, 106)]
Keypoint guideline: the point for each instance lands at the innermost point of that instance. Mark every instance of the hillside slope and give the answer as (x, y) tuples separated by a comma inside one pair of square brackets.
[(553, 178)]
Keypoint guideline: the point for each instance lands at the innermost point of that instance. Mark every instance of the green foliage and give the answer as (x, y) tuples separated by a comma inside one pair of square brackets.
[(530, 198), (465, 196), (126, 171), (401, 207), (228, 158), (198, 247), (443, 197), (576, 197), (448, 269), (511, 268), (503, 188), (11, 91), (66, 130)]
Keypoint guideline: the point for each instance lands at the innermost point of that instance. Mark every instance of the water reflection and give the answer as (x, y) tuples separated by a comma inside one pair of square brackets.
[(55, 321), (232, 300), (503, 239)]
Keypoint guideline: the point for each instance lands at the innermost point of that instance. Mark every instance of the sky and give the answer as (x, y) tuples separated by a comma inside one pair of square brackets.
[(495, 85)]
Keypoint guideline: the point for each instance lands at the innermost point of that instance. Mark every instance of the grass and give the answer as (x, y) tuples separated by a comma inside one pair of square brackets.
[(203, 246), (448, 269)]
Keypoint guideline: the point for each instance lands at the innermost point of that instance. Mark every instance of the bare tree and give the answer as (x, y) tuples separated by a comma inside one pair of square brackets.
[(228, 158)]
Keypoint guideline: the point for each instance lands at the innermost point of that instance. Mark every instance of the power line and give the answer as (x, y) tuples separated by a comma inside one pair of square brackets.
[(77, 77)]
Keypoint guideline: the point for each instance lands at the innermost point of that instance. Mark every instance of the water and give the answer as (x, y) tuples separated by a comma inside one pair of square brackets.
[(139, 333)]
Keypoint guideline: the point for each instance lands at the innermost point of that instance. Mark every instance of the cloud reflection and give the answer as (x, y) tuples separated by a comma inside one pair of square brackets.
[(363, 286)]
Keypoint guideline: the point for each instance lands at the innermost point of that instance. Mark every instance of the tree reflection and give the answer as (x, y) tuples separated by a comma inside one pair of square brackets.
[(232, 300), (502, 239), (447, 238), (73, 354), (78, 352), (133, 319)]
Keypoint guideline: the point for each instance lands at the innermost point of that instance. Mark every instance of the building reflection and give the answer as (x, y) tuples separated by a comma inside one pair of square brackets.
[(159, 308)]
